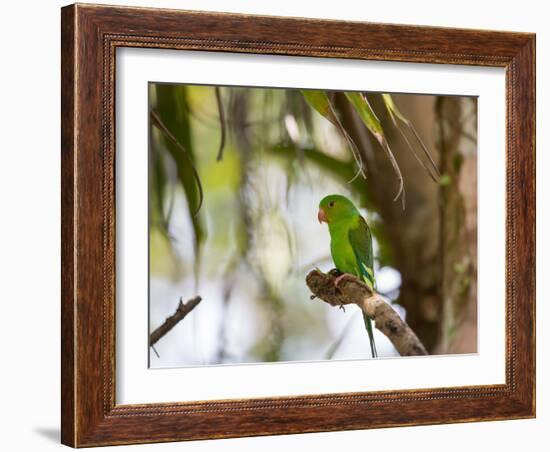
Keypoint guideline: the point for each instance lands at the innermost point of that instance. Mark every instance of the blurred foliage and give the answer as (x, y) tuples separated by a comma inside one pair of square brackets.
[(170, 102), (226, 163)]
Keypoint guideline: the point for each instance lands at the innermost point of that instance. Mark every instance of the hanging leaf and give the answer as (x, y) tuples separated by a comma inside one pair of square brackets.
[(171, 118), (395, 114), (320, 102), (371, 121), (362, 106), (392, 108), (221, 116)]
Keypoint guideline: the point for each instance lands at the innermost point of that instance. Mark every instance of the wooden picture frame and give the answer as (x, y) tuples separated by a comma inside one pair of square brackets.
[(90, 36)]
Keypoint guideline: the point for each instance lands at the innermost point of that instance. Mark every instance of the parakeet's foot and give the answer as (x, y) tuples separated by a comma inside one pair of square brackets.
[(335, 272), (342, 307), (343, 276)]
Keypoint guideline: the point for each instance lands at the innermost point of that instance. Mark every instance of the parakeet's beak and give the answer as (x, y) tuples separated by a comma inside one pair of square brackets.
[(322, 216)]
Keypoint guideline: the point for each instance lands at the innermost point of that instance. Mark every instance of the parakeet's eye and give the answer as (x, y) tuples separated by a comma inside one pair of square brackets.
[(331, 204)]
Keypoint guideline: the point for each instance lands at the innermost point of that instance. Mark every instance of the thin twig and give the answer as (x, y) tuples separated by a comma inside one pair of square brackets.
[(155, 350), (336, 344), (182, 310)]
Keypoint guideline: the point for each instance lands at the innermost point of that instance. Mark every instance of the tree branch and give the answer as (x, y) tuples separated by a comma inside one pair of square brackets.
[(352, 291), (182, 310)]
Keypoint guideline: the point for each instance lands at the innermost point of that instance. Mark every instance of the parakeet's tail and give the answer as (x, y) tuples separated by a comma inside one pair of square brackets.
[(368, 326)]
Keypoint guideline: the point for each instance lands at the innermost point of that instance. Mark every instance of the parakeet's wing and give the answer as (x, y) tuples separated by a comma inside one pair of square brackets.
[(360, 239)]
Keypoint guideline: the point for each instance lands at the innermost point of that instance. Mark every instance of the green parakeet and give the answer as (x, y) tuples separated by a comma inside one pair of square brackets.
[(350, 244)]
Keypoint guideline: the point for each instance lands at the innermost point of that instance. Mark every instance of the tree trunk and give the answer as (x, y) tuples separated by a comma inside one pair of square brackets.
[(457, 120)]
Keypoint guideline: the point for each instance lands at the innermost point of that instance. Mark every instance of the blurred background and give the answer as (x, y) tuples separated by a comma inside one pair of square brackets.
[(235, 178)]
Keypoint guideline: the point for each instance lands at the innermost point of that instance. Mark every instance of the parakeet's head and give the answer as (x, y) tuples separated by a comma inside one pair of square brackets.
[(336, 208)]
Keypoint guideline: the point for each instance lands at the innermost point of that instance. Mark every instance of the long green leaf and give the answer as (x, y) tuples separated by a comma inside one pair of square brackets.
[(221, 116), (320, 102), (367, 115), (374, 126), (173, 117)]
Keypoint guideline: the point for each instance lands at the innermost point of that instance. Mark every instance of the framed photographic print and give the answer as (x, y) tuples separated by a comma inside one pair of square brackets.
[(282, 225)]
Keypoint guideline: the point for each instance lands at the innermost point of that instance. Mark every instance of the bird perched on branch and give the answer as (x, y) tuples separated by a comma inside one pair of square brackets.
[(350, 245)]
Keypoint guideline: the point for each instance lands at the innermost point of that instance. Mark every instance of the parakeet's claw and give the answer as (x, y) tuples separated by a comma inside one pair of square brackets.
[(335, 272), (342, 307)]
